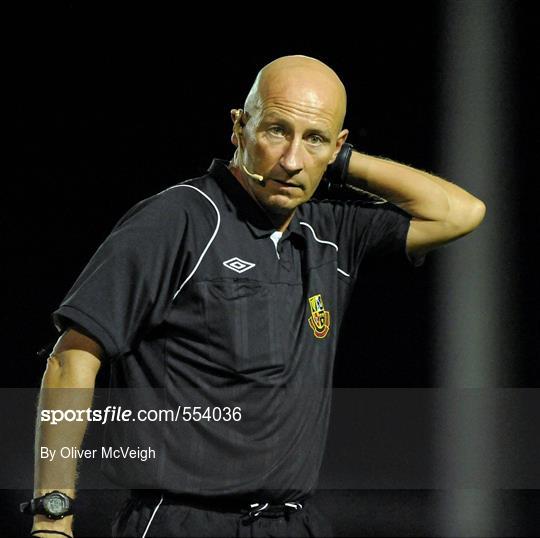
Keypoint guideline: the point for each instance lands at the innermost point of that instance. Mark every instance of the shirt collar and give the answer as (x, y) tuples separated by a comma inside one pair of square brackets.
[(255, 218)]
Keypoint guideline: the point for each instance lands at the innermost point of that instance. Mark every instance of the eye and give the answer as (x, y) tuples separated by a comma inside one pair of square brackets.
[(315, 139), (276, 130)]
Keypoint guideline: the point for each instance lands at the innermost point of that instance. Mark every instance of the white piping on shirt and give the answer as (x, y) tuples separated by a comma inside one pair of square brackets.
[(209, 242), (324, 242), (152, 516)]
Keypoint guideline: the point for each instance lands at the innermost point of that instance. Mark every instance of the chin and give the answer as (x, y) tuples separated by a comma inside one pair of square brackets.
[(283, 204)]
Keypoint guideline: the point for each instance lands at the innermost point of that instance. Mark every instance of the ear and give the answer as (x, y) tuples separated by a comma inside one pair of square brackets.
[(236, 117), (342, 136)]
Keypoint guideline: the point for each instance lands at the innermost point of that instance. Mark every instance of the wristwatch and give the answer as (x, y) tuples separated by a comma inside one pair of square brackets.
[(336, 173), (54, 505)]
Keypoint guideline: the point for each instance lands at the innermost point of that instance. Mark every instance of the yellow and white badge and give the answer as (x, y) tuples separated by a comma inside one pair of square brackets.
[(319, 320)]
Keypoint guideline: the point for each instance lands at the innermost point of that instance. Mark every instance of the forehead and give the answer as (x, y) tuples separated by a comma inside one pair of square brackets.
[(293, 98)]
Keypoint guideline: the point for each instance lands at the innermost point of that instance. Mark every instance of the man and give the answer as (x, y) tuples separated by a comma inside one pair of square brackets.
[(230, 289)]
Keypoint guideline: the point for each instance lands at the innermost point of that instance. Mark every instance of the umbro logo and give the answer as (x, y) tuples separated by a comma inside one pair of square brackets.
[(238, 265)]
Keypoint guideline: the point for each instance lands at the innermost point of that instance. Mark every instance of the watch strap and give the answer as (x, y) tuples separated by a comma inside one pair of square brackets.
[(337, 172)]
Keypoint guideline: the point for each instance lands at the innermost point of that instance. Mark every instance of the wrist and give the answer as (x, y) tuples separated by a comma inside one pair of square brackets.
[(52, 529), (337, 172), (359, 166), (43, 522), (48, 533)]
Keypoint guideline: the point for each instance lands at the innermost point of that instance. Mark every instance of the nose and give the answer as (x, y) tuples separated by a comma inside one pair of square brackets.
[(292, 161)]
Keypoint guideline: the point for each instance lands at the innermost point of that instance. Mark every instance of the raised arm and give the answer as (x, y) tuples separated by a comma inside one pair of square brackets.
[(73, 364), (441, 211)]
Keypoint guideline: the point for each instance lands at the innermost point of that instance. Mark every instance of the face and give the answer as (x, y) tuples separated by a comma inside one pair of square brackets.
[(290, 140)]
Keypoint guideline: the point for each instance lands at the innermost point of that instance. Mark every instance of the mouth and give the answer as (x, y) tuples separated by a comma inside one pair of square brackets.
[(287, 184)]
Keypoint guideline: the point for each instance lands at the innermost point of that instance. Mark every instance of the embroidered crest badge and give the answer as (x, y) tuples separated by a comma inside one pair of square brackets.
[(319, 320)]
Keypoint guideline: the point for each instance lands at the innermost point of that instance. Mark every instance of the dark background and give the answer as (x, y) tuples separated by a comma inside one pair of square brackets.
[(106, 107)]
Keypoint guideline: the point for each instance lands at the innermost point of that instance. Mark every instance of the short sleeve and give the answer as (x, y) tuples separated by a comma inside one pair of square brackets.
[(369, 231), (128, 284)]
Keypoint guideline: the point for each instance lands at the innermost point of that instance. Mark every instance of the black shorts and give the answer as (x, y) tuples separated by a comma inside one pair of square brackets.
[(151, 516)]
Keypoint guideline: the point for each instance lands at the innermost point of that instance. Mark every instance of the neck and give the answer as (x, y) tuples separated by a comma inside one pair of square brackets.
[(281, 227)]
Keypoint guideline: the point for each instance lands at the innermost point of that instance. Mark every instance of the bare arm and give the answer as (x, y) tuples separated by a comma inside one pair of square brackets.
[(440, 210), (73, 364)]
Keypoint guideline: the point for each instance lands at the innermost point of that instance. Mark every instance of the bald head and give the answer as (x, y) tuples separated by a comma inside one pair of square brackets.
[(303, 80)]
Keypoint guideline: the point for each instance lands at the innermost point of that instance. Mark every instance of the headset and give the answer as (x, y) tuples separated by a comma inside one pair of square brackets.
[(238, 128)]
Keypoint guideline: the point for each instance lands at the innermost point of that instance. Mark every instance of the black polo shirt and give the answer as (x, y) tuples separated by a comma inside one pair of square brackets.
[(195, 295)]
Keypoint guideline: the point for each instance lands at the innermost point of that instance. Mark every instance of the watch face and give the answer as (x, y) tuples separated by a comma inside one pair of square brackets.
[(55, 504)]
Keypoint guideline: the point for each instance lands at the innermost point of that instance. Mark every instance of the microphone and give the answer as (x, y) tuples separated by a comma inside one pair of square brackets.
[(256, 177), (239, 126)]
